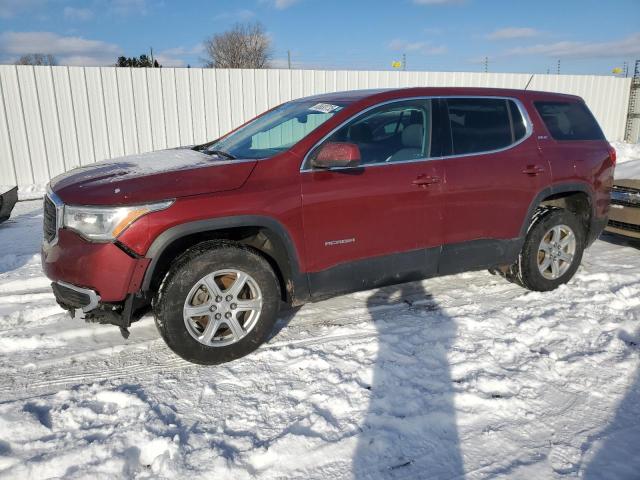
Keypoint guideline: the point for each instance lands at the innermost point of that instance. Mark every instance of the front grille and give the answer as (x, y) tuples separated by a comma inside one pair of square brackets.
[(49, 223), (620, 188), (69, 298), (625, 196), (624, 226), (625, 203)]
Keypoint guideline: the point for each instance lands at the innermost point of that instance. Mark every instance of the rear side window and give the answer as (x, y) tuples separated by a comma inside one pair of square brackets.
[(569, 121), (484, 124)]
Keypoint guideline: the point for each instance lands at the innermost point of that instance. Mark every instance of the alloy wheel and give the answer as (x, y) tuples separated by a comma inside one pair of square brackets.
[(556, 251), (222, 307)]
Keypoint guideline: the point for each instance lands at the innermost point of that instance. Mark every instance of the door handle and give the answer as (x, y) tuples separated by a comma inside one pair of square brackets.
[(533, 170), (425, 180)]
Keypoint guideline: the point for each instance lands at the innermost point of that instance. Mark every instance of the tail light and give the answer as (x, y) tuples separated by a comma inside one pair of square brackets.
[(612, 154)]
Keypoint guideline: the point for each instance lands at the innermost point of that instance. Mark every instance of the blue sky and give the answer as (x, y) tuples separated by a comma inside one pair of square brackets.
[(588, 36)]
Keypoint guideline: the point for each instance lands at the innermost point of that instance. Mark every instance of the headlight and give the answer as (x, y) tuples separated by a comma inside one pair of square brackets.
[(106, 223)]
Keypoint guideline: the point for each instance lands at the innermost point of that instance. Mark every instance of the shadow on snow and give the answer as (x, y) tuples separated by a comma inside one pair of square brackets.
[(410, 428)]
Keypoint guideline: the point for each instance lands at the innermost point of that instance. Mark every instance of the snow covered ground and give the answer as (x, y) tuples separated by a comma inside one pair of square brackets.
[(626, 151), (628, 163), (465, 375)]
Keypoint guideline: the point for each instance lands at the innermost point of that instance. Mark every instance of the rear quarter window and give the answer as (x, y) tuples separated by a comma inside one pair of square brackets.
[(569, 121)]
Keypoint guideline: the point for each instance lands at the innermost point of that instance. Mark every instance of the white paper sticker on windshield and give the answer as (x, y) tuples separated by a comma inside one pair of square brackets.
[(324, 107)]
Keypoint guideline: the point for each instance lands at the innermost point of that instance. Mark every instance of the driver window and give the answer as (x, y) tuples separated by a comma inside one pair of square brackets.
[(395, 132)]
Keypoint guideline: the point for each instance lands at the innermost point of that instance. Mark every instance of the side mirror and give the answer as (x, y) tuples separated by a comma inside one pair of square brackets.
[(336, 155)]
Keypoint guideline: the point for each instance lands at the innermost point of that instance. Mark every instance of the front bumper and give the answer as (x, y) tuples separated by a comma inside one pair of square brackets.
[(624, 221), (100, 280), (624, 213), (71, 297), (104, 268)]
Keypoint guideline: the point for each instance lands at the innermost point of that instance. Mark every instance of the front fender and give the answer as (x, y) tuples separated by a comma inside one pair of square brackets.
[(295, 281)]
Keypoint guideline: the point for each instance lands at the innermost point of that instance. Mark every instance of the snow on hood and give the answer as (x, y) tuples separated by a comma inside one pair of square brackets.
[(151, 176), (142, 165)]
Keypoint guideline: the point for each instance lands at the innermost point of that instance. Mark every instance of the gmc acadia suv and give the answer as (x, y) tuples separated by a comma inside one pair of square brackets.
[(327, 195)]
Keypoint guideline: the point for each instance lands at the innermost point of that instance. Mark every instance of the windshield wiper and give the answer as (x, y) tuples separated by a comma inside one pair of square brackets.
[(205, 148), (220, 153)]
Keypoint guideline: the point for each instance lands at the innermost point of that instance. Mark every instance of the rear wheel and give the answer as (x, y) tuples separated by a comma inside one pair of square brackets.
[(552, 251), (218, 302)]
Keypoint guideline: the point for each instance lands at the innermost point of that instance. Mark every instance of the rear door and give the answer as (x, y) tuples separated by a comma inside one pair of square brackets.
[(379, 223), (493, 172)]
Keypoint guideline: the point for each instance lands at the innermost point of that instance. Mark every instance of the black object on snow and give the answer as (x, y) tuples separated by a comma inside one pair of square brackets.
[(8, 200)]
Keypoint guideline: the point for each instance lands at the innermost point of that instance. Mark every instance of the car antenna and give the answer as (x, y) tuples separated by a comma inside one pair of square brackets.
[(529, 82)]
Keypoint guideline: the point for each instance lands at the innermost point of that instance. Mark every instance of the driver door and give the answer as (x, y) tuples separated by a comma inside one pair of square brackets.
[(380, 222)]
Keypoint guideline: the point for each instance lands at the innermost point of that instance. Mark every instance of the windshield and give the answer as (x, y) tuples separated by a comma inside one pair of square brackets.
[(275, 131)]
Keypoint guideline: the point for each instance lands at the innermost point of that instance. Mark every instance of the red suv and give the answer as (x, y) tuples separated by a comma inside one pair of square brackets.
[(327, 195)]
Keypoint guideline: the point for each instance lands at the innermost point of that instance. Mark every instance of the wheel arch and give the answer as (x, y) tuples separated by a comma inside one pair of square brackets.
[(576, 197), (264, 234)]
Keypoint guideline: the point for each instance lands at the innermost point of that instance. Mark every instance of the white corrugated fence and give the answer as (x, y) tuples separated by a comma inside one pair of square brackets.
[(53, 119)]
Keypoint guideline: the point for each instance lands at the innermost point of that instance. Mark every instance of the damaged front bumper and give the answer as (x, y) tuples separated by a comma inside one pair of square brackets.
[(85, 304), (72, 297)]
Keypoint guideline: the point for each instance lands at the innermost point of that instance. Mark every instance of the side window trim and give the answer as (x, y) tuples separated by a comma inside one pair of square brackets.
[(427, 142), (440, 106), (511, 123)]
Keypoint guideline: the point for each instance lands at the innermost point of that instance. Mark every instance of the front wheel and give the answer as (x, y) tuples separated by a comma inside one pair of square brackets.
[(552, 251), (218, 302)]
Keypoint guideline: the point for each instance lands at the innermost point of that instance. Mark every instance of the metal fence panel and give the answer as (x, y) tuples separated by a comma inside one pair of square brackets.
[(55, 118)]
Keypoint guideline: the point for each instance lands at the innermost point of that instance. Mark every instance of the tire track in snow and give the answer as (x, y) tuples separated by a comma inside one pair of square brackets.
[(93, 367)]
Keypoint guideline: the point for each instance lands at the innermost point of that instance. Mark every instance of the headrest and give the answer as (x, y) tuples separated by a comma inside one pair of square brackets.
[(360, 132), (412, 136)]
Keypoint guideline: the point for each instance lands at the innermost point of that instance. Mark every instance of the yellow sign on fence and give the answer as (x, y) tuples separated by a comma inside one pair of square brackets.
[(396, 64)]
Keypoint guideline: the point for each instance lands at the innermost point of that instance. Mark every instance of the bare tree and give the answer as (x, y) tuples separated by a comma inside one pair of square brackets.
[(37, 59), (244, 46)]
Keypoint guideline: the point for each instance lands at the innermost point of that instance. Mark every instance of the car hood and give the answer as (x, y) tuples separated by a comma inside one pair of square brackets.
[(149, 177)]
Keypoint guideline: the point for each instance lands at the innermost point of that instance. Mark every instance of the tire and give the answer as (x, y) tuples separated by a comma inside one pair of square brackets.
[(190, 278), (546, 223)]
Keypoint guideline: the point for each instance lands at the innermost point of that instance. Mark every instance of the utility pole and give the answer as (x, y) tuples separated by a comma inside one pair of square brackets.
[(625, 69), (558, 72), (486, 64), (151, 52), (632, 109), (404, 62), (289, 58)]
